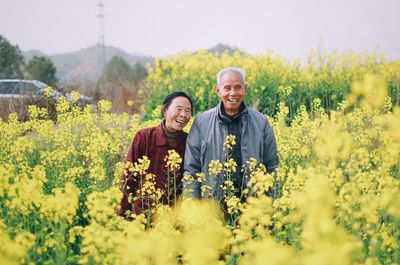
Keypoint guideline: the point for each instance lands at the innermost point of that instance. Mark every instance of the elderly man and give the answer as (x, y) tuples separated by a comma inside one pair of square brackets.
[(253, 133)]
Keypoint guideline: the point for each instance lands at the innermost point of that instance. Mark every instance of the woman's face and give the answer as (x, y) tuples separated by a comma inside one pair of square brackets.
[(178, 114)]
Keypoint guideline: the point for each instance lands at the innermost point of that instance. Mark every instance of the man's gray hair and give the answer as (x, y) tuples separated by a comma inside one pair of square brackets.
[(231, 69)]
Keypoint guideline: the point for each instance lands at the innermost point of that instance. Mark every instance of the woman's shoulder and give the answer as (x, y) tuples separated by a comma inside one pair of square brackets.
[(146, 132)]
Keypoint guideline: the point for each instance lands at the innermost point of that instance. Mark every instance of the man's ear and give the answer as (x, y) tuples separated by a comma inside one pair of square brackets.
[(245, 87), (216, 90)]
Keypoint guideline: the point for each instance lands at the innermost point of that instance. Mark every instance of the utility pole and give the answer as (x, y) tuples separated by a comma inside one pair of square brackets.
[(101, 48)]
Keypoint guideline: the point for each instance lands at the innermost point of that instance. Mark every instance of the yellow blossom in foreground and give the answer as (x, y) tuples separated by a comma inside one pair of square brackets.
[(61, 205), (233, 204), (230, 166), (48, 91), (102, 205), (11, 253), (215, 167), (200, 177), (173, 160), (75, 96), (229, 142), (267, 249), (104, 105), (206, 191)]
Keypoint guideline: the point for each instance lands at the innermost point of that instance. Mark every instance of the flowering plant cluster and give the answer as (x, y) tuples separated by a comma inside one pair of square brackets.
[(333, 200)]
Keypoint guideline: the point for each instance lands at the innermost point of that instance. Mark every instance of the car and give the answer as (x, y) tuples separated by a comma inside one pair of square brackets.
[(17, 94)]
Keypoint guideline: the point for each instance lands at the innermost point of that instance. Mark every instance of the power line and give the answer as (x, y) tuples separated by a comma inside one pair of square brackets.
[(101, 49)]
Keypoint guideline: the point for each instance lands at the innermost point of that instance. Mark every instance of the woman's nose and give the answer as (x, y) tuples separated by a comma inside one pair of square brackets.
[(185, 114)]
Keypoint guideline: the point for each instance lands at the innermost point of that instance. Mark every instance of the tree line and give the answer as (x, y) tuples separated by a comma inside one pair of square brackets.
[(119, 81), (13, 65)]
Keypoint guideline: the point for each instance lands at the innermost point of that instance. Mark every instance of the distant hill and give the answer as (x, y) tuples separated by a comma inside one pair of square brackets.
[(29, 54), (80, 66), (220, 48)]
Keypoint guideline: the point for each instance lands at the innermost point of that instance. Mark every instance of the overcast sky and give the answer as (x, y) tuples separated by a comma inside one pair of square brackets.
[(161, 27)]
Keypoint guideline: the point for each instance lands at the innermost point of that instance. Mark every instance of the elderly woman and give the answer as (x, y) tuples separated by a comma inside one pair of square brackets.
[(155, 143)]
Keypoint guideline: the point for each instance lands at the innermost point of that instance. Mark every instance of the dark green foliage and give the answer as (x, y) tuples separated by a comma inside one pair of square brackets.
[(11, 60), (42, 68)]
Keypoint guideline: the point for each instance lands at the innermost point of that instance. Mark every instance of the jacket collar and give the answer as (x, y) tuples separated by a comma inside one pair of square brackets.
[(222, 117)]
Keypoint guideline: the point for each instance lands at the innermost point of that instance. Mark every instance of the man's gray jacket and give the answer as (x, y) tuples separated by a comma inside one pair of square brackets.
[(205, 143)]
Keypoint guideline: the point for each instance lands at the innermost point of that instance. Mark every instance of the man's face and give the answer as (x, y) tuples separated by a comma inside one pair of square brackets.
[(231, 91)]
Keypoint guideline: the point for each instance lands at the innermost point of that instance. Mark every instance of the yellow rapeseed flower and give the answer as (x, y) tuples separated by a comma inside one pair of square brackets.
[(229, 142), (173, 160), (215, 167)]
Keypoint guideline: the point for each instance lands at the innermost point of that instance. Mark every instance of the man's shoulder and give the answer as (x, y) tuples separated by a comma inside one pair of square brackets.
[(207, 114), (256, 114), (258, 118)]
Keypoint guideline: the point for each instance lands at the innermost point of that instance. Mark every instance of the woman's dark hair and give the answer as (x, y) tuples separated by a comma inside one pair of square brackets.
[(169, 98)]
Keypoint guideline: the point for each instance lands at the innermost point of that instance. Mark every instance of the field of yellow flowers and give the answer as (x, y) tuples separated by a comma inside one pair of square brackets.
[(271, 78), (336, 194)]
